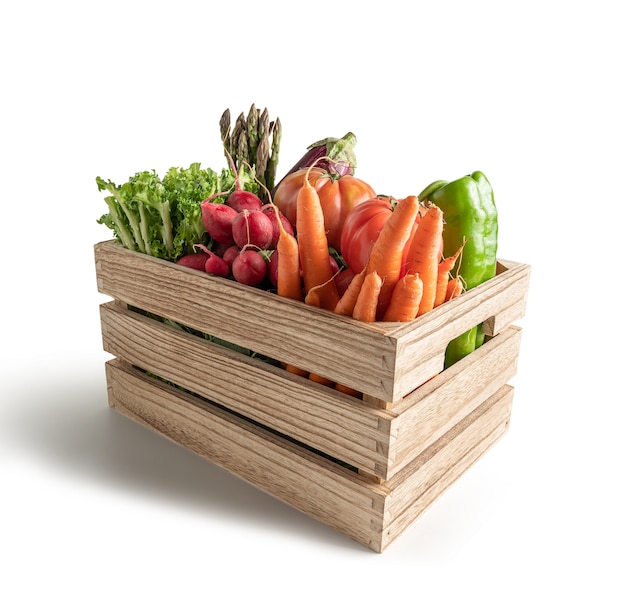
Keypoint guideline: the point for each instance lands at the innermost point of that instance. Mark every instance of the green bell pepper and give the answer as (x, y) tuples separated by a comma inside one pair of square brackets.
[(471, 217)]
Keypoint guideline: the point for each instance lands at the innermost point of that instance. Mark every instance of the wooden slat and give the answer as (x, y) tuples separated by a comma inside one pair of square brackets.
[(274, 326), (375, 441), (437, 406), (421, 483), (325, 419), (320, 488), (427, 337), (369, 512), (383, 360)]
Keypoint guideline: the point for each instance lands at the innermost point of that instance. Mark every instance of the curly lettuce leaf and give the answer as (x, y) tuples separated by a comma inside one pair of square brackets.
[(162, 217)]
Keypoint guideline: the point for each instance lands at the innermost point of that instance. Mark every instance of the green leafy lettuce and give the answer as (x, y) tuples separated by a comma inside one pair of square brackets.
[(162, 217)]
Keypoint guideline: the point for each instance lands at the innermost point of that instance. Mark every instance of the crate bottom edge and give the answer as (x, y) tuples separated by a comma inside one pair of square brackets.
[(350, 503)]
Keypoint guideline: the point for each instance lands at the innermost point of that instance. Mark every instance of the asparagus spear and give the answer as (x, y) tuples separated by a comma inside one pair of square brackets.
[(263, 150), (272, 165), (242, 150), (252, 129), (254, 140), (235, 136), (225, 128)]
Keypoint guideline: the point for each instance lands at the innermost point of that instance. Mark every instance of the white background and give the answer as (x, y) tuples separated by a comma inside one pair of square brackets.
[(96, 509)]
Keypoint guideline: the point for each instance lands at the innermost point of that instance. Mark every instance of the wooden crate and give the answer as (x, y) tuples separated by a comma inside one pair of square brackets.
[(367, 467)]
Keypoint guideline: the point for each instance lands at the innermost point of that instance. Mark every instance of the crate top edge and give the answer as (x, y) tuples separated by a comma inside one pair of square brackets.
[(393, 331), (507, 270), (298, 309)]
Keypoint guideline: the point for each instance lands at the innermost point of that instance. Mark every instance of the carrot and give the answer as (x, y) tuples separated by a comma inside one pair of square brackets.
[(320, 379), (313, 297), (313, 246), (294, 369), (349, 390), (345, 305), (423, 255), (454, 288), (288, 280), (366, 304), (443, 276), (405, 299), (387, 251)]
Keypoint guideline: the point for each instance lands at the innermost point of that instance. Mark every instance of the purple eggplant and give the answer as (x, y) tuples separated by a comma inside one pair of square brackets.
[(338, 157)]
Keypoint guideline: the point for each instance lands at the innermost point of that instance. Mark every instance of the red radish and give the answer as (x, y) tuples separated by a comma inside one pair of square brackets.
[(216, 266), (343, 279), (219, 248), (217, 217), (243, 200), (230, 253), (218, 220), (272, 268), (249, 267), (269, 210), (196, 260), (240, 199), (252, 227)]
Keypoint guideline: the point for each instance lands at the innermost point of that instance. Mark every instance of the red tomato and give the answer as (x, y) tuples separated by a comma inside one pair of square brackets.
[(361, 228), (338, 196)]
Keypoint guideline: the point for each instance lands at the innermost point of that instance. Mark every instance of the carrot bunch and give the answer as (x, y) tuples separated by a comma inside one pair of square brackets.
[(304, 270), (404, 278), (392, 288)]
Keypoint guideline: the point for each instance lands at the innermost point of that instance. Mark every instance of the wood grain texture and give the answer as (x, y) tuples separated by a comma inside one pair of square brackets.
[(418, 485), (434, 408), (325, 419), (367, 468), (372, 513), (374, 440), (383, 360)]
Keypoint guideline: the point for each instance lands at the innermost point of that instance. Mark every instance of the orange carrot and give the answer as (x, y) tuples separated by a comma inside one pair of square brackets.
[(294, 369), (405, 299), (349, 390), (321, 380), (366, 304), (454, 288), (423, 255), (313, 297), (346, 303), (387, 252), (288, 280), (443, 276), (313, 246)]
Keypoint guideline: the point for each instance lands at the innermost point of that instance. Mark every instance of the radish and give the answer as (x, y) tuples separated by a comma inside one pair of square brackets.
[(217, 217), (218, 220), (272, 268), (216, 266), (243, 200), (195, 260), (252, 227), (249, 267), (240, 199), (230, 253), (343, 279), (269, 210), (219, 248)]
